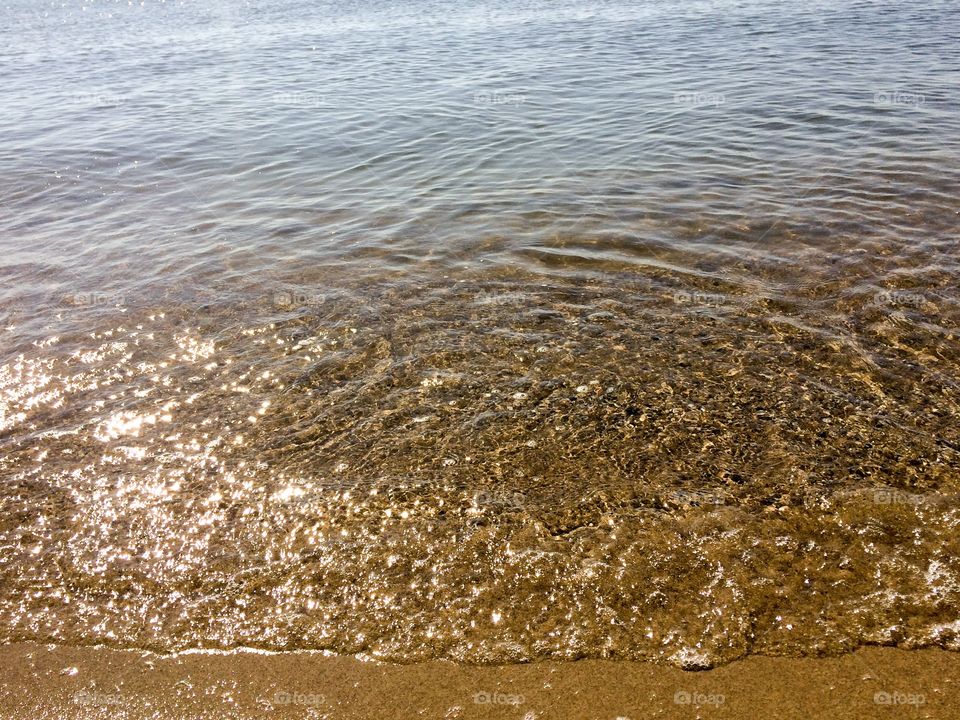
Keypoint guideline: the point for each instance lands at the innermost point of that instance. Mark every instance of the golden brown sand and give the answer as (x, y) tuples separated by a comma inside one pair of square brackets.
[(66, 682)]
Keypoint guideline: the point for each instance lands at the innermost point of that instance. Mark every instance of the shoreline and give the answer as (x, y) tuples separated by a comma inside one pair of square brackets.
[(47, 681)]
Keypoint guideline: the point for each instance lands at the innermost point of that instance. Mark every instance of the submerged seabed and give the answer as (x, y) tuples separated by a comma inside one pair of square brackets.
[(491, 472)]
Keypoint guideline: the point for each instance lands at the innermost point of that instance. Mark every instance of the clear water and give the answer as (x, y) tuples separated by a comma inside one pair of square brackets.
[(489, 330)]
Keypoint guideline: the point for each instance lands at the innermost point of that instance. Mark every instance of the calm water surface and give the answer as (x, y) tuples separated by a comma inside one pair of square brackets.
[(488, 330)]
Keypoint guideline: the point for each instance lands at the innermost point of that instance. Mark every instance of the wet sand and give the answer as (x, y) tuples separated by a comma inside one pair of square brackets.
[(68, 682)]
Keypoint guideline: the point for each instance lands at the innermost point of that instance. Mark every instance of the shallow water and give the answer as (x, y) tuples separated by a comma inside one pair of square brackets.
[(495, 332)]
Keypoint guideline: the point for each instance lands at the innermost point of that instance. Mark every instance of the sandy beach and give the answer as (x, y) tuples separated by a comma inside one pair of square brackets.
[(63, 682)]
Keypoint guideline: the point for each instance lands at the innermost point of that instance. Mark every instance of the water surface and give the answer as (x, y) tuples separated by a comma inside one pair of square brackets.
[(492, 331)]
